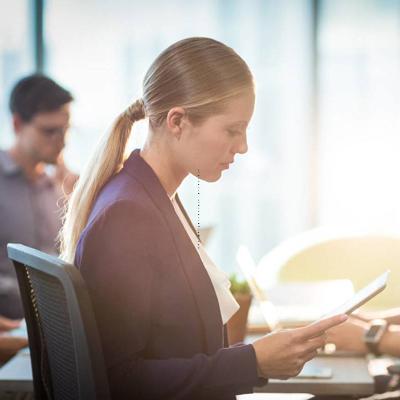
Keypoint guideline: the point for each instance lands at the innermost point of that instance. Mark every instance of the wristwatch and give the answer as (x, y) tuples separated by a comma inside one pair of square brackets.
[(373, 335)]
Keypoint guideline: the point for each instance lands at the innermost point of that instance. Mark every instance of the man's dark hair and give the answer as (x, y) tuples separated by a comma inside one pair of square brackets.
[(37, 93)]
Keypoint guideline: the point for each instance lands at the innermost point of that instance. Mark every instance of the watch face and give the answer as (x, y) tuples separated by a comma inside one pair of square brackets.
[(374, 335), (372, 331), (375, 331)]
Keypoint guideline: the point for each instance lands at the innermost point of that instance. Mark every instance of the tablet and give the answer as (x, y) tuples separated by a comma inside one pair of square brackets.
[(315, 372), (361, 297)]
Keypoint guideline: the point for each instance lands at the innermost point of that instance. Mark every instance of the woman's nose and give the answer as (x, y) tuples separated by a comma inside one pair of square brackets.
[(242, 146)]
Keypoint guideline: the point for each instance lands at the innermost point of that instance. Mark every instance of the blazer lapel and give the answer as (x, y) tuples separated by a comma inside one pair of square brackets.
[(185, 214), (192, 265)]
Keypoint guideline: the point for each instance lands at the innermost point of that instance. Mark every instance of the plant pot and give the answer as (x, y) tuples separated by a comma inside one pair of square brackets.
[(238, 323)]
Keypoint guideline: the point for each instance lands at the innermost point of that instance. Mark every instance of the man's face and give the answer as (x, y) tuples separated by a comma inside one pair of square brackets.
[(43, 137)]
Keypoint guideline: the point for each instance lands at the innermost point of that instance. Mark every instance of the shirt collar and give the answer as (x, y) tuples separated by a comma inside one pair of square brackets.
[(172, 198)]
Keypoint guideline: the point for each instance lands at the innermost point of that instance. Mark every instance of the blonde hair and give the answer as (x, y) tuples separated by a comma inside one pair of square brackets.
[(198, 74)]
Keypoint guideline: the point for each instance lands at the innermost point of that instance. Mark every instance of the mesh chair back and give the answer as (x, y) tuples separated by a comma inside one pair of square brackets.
[(66, 354)]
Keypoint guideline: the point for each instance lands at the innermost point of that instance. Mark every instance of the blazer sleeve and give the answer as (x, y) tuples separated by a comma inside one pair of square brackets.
[(119, 265)]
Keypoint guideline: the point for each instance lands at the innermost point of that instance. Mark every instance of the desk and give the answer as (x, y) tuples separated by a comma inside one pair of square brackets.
[(275, 396), (350, 377), (16, 375)]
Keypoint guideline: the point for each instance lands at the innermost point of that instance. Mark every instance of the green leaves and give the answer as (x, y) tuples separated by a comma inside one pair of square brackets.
[(238, 286)]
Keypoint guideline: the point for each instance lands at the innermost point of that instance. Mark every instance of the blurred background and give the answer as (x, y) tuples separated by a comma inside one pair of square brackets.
[(324, 142)]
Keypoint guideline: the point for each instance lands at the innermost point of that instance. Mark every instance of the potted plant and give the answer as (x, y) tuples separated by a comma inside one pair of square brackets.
[(238, 323)]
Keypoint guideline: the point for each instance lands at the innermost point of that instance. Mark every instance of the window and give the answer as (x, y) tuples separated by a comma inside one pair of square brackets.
[(359, 160), (15, 56)]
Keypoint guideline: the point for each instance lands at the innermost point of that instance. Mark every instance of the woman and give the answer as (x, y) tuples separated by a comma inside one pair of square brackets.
[(160, 302)]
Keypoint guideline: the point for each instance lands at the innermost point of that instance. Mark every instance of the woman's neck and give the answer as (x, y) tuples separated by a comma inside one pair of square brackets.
[(162, 162)]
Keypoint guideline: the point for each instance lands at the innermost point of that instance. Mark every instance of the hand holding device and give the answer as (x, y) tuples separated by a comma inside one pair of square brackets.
[(282, 354)]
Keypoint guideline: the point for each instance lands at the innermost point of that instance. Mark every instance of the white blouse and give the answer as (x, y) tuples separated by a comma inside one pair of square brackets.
[(220, 280)]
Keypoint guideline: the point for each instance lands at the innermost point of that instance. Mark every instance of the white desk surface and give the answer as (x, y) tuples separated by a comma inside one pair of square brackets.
[(275, 396)]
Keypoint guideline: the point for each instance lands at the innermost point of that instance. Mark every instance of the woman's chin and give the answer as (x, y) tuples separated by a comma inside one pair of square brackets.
[(212, 177)]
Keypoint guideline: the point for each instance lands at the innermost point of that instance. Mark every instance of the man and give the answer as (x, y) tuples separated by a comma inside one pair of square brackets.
[(29, 197)]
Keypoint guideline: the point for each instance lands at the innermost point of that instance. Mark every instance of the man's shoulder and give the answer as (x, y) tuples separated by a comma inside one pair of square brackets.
[(8, 165)]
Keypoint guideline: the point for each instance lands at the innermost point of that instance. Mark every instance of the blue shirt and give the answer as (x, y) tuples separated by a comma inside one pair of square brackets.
[(29, 214)]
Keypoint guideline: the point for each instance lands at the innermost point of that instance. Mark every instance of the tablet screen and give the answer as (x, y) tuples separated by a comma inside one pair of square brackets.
[(362, 296)]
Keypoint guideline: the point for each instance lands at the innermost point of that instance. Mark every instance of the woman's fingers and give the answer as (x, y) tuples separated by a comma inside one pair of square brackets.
[(316, 343), (319, 327), (310, 356)]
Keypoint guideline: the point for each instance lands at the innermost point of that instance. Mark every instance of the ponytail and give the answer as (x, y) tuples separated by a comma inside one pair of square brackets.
[(105, 163)]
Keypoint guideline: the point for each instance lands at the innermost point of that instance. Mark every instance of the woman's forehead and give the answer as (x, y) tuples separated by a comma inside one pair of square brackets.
[(239, 110)]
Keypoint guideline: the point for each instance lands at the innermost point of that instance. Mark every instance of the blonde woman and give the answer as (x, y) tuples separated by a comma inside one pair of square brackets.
[(160, 302)]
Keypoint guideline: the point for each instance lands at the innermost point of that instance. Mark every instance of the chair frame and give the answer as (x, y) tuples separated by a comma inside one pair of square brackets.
[(90, 366)]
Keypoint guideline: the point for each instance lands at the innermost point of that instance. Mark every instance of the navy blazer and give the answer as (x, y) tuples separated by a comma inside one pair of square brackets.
[(156, 309)]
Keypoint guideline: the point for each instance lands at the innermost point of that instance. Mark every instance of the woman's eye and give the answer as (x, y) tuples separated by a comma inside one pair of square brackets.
[(233, 132)]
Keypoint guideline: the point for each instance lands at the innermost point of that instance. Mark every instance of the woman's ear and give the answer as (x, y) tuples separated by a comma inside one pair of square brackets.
[(176, 120)]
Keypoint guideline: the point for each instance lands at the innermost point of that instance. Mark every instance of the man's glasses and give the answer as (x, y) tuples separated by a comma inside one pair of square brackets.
[(52, 131)]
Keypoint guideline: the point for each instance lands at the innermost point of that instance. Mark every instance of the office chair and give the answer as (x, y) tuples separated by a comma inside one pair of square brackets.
[(66, 355)]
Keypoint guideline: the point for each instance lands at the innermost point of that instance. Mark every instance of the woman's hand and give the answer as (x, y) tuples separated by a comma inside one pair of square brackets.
[(349, 336), (282, 354)]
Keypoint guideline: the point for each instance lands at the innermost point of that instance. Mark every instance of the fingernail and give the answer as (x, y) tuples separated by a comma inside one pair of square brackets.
[(344, 317)]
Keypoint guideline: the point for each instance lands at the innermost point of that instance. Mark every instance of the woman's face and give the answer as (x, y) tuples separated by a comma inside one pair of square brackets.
[(208, 148)]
